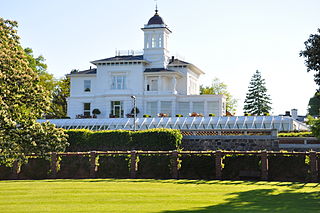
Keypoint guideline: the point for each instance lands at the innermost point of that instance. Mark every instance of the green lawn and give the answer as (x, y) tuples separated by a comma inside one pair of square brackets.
[(171, 196)]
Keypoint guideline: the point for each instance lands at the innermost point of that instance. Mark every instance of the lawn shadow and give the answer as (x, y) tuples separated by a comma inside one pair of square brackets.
[(264, 200)]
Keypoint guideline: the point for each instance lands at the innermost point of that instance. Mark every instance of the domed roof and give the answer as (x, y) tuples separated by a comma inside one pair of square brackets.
[(156, 19)]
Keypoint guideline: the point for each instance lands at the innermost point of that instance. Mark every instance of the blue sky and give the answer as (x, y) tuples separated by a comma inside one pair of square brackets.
[(226, 39)]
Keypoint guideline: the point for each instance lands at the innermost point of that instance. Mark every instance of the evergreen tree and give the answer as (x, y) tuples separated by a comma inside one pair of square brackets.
[(314, 105), (257, 100)]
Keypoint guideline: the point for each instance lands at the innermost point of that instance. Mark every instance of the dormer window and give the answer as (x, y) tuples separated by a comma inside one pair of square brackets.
[(87, 85)]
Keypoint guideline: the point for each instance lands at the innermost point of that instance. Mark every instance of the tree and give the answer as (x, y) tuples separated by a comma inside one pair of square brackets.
[(22, 100), (220, 88), (312, 55), (60, 93), (314, 105), (37, 64), (257, 100)]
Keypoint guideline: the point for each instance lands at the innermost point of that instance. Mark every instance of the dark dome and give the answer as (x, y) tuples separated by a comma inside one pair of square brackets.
[(156, 19)]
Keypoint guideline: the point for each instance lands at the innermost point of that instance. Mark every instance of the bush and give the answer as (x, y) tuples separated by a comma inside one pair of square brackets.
[(154, 166), (295, 134), (36, 168), (156, 139), (234, 165), (114, 166), (197, 167), (288, 168), (74, 167), (153, 139)]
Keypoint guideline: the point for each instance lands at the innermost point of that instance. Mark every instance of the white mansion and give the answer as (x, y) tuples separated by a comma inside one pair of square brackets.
[(160, 83)]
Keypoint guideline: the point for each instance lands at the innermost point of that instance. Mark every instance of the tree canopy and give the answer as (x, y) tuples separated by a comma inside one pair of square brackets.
[(314, 105), (219, 88), (312, 55), (22, 100), (257, 100)]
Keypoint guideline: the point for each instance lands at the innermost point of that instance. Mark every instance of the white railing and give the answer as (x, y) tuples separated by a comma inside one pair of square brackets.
[(281, 123)]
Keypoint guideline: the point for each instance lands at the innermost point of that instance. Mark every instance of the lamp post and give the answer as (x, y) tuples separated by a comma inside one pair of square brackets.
[(134, 112)]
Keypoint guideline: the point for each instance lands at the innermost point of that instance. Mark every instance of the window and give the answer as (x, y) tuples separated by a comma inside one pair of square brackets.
[(183, 108), (152, 108), (87, 85), (198, 107), (118, 82), (213, 107), (166, 107), (86, 109), (116, 109), (160, 41), (154, 85), (153, 42)]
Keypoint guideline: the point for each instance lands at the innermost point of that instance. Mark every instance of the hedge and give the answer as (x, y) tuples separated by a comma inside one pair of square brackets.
[(111, 140), (295, 134)]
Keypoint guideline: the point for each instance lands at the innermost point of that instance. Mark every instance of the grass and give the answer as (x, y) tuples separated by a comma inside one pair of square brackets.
[(170, 196)]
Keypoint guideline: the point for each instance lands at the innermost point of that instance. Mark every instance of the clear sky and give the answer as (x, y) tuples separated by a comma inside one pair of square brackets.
[(227, 39)]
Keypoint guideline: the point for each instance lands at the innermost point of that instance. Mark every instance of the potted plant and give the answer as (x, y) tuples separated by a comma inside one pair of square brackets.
[(96, 112)]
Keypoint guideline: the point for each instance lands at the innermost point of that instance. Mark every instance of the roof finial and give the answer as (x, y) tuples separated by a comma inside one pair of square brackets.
[(156, 6)]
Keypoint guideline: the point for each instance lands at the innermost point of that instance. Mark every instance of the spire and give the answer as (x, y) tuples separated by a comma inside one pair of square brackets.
[(156, 7)]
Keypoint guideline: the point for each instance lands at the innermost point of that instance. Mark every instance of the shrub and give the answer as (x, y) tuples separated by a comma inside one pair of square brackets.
[(74, 167), (197, 167), (212, 115), (295, 134), (153, 139), (288, 168), (147, 116), (114, 166), (179, 115), (156, 139), (154, 166), (235, 164)]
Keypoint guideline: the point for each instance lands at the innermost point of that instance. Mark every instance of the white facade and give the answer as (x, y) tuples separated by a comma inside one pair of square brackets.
[(160, 83)]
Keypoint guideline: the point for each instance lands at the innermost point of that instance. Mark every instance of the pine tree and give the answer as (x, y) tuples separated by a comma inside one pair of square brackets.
[(257, 100)]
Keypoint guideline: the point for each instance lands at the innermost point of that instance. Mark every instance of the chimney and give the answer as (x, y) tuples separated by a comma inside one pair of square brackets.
[(294, 113), (90, 67), (172, 58), (287, 113)]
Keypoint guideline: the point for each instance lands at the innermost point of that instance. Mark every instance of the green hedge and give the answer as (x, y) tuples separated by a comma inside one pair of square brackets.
[(197, 167), (241, 167), (295, 134), (115, 166), (153, 139)]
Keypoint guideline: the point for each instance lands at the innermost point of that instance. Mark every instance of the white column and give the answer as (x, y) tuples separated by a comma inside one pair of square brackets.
[(159, 83), (174, 84), (145, 83)]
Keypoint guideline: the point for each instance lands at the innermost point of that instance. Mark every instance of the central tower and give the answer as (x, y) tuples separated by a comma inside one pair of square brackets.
[(156, 34)]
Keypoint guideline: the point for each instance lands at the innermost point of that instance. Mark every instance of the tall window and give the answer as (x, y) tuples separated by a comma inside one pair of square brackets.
[(166, 107), (154, 85), (152, 108), (116, 109), (183, 108), (160, 41), (87, 85), (213, 107), (86, 109), (118, 82), (198, 107), (153, 41)]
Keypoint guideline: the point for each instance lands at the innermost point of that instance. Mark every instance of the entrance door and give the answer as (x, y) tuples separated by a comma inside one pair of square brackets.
[(116, 109)]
